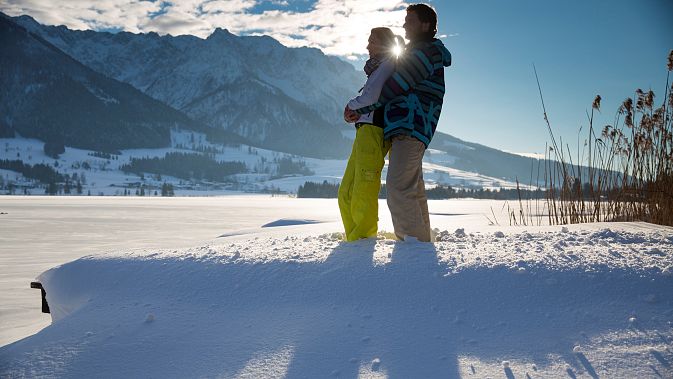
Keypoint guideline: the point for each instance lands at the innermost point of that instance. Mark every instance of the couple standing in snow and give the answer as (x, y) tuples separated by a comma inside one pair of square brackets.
[(397, 113)]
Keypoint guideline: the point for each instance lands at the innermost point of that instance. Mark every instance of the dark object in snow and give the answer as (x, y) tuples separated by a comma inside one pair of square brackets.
[(45, 306)]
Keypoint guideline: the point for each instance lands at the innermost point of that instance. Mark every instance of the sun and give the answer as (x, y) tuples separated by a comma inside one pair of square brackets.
[(397, 50)]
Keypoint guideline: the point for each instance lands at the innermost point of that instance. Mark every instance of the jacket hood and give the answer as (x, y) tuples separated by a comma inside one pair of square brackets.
[(433, 44), (446, 55)]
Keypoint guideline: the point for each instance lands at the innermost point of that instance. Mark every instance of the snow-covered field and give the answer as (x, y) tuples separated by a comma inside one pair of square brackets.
[(104, 177), (278, 295)]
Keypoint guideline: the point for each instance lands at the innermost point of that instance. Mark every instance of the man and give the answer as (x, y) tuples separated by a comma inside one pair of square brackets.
[(412, 99)]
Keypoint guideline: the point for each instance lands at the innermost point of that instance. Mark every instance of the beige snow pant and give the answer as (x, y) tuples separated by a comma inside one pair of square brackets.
[(406, 190)]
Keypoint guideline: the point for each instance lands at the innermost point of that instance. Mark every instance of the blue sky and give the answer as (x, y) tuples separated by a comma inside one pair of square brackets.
[(580, 49)]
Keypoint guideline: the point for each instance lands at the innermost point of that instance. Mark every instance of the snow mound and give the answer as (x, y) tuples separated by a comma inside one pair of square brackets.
[(312, 306)]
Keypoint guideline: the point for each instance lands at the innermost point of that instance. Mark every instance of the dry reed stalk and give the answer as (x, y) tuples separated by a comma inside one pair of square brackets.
[(623, 174)]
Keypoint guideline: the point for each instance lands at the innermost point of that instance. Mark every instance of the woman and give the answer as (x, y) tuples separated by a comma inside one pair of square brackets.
[(359, 189)]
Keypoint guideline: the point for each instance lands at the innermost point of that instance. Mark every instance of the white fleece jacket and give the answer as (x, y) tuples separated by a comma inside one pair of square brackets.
[(372, 89)]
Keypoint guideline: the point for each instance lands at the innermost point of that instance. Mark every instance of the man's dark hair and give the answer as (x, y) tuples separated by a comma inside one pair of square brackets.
[(426, 14)]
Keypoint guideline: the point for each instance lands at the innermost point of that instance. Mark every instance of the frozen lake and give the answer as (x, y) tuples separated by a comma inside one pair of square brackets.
[(38, 233)]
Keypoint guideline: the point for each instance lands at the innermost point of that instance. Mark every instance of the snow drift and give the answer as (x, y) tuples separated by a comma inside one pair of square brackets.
[(553, 304)]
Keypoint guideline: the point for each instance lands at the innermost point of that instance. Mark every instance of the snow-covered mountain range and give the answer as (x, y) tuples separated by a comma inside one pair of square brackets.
[(46, 94), (280, 98), (100, 91)]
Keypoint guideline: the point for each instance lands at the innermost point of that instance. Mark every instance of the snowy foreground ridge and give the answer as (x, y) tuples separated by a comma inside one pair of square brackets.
[(580, 303)]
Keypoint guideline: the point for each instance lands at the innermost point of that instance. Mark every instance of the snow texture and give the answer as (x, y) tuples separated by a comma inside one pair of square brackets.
[(310, 306)]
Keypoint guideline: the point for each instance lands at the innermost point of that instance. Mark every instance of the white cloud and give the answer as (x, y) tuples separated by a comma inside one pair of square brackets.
[(338, 27), (176, 23)]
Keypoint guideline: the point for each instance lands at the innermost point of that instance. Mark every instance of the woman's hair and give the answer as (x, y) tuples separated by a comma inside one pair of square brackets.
[(388, 38)]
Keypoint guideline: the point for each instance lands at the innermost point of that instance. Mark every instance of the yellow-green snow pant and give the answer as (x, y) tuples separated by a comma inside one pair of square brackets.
[(359, 189)]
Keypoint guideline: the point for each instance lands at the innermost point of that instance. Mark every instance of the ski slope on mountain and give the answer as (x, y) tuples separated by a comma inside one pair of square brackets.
[(579, 301), (106, 178)]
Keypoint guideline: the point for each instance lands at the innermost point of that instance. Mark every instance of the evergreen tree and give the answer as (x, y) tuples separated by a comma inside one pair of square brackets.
[(52, 188), (318, 190), (185, 166), (167, 190), (54, 149)]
